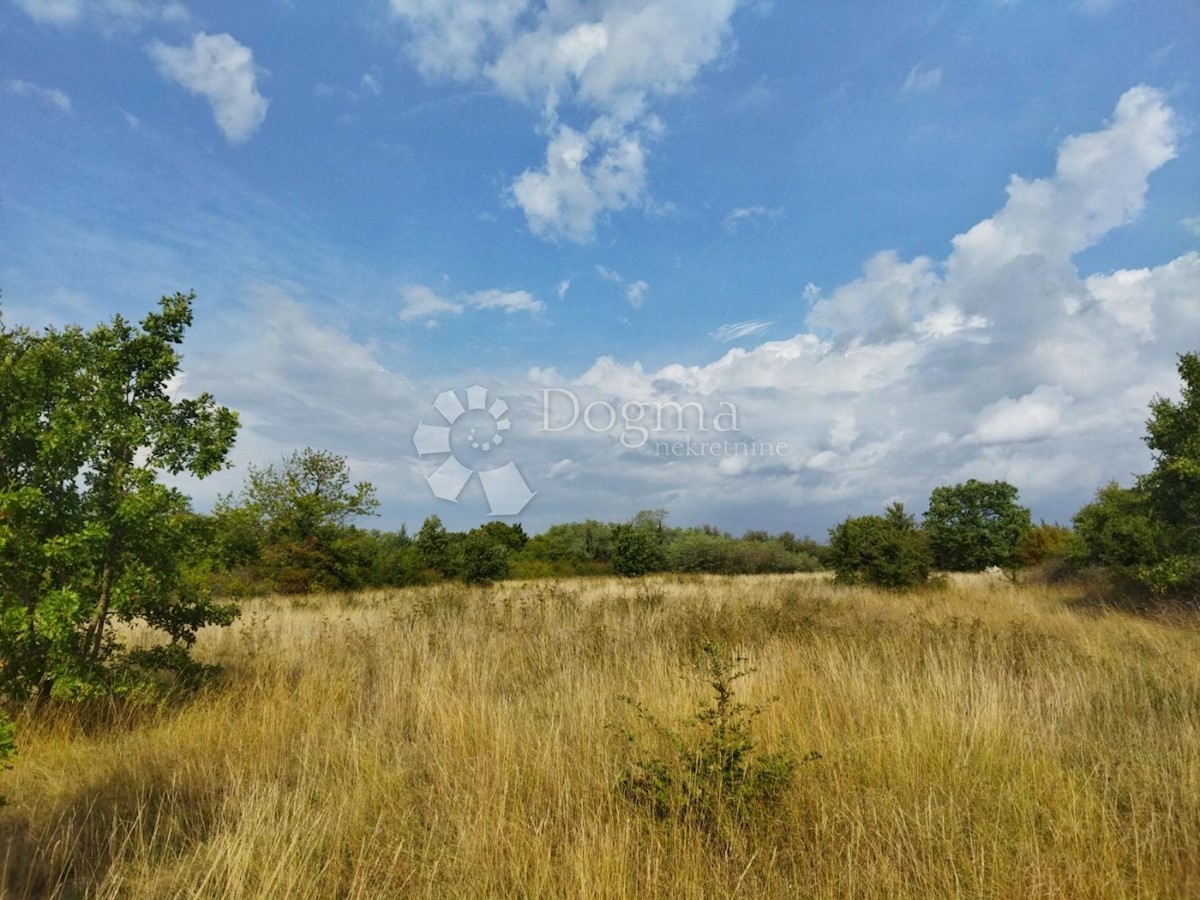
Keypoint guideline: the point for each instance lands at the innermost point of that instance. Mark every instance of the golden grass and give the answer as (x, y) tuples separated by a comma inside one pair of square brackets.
[(982, 741)]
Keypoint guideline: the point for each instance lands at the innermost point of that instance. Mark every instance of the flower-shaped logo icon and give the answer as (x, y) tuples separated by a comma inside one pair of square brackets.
[(470, 434)]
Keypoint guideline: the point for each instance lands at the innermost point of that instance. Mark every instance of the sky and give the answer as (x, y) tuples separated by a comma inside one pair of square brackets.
[(762, 264)]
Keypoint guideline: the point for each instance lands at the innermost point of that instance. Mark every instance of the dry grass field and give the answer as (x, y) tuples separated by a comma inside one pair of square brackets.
[(978, 741)]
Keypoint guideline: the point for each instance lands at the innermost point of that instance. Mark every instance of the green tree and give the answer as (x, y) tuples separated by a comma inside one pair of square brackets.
[(89, 536), (1172, 489), (975, 525), (1117, 529), (433, 545), (637, 550), (309, 495), (485, 558), (885, 551), (303, 508)]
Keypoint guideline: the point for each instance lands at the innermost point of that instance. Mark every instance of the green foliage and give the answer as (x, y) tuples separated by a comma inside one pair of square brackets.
[(711, 773), (637, 549), (485, 557), (1044, 543), (88, 534), (293, 524), (886, 551), (1117, 529), (974, 525), (8, 744), (433, 545), (698, 550)]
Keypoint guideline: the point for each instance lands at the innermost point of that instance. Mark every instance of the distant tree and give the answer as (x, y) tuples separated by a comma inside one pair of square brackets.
[(433, 545), (637, 549), (485, 558), (884, 551), (89, 535), (974, 525), (302, 509), (1044, 543), (1117, 529), (309, 495), (512, 537)]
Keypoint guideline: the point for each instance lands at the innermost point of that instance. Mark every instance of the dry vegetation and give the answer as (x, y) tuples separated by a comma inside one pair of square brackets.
[(980, 741)]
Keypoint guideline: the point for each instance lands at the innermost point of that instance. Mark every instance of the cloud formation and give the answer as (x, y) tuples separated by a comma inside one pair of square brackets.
[(50, 96), (999, 361), (111, 15), (221, 70), (422, 303), (608, 60)]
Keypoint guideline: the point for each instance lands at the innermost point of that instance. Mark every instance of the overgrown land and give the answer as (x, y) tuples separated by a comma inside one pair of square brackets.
[(965, 705), (565, 739)]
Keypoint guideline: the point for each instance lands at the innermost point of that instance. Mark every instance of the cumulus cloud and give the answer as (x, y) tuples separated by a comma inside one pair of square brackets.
[(49, 96), (608, 60), (221, 70), (1098, 185), (995, 365), (584, 178), (999, 361)]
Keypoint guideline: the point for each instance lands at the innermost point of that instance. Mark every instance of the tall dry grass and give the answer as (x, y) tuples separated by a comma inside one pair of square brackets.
[(982, 741)]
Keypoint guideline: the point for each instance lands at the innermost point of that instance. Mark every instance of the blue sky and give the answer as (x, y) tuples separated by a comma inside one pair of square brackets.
[(804, 210)]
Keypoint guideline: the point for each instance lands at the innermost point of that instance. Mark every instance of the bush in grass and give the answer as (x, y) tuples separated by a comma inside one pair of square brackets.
[(886, 551)]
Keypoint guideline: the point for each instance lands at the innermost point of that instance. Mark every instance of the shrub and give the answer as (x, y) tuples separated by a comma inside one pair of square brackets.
[(712, 773), (637, 550), (484, 558), (885, 551)]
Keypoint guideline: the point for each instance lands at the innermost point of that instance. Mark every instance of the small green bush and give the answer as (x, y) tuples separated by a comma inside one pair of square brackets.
[(885, 551), (712, 773)]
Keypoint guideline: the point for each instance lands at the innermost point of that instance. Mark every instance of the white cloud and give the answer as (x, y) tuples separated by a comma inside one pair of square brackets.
[(609, 274), (50, 96), (222, 71), (585, 177), (999, 361), (635, 293), (737, 330), (110, 15), (735, 218), (563, 287), (1098, 185), (1192, 224), (921, 372), (1037, 415), (370, 83), (920, 80), (508, 301), (609, 59), (422, 302)]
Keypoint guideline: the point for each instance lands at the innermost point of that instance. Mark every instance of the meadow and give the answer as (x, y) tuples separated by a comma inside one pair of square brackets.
[(981, 740)]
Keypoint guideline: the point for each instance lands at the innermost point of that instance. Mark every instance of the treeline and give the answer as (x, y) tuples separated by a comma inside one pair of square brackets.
[(288, 532), (1144, 540)]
